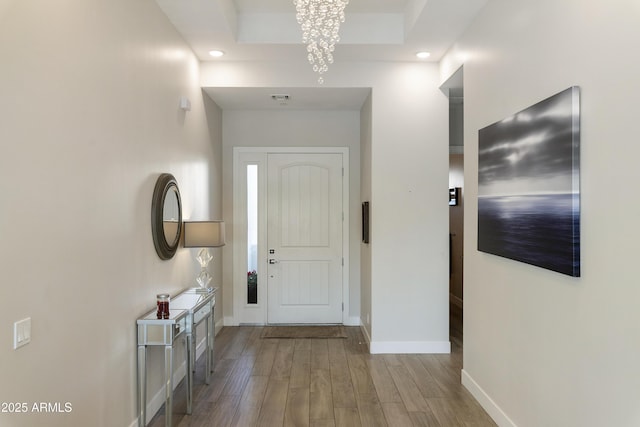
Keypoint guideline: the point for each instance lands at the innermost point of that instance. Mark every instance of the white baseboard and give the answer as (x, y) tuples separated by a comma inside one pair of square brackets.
[(218, 326), (455, 300), (229, 321), (365, 334), (486, 402), (352, 321), (410, 347), (158, 399)]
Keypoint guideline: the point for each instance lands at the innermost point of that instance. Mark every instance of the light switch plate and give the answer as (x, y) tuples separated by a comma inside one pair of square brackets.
[(21, 333)]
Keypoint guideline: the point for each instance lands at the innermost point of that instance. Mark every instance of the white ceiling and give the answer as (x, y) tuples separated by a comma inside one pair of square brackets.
[(267, 30), (378, 6)]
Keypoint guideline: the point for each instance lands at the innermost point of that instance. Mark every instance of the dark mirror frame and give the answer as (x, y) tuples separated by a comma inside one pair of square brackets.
[(164, 184)]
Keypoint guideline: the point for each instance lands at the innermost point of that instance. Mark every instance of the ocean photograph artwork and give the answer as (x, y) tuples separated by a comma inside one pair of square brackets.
[(529, 185)]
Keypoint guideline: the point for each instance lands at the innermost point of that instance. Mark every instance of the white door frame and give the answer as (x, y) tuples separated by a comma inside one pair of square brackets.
[(244, 313)]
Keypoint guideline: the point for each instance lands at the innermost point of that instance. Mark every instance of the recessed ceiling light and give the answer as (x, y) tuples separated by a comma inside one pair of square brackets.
[(423, 55), (216, 53)]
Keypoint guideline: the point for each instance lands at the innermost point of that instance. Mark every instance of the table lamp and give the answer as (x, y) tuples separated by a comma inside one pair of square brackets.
[(205, 235)]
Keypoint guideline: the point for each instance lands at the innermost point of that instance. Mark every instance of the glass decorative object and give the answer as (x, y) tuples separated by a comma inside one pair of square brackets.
[(320, 23), (204, 258)]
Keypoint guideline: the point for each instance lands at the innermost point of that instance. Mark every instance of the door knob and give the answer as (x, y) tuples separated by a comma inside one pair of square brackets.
[(273, 261)]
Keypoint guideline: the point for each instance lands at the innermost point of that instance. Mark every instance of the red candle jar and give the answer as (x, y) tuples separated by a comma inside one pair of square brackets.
[(163, 306)]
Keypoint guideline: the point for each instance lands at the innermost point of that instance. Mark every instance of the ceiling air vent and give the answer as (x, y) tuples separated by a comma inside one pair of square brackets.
[(282, 98)]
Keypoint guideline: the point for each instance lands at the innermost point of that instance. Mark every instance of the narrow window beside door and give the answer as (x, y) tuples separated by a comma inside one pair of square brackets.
[(252, 234)]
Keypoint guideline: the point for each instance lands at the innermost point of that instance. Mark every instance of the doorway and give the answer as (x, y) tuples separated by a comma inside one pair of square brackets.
[(454, 89), (290, 235)]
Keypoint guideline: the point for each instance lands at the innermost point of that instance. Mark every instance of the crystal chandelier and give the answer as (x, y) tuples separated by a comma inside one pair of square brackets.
[(320, 22)]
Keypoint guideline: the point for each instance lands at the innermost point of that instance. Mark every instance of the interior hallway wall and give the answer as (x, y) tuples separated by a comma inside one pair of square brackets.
[(545, 348), (365, 196), (88, 120)]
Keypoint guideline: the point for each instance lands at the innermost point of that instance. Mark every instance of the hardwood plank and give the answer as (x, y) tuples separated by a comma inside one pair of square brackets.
[(336, 350), (301, 364), (484, 421), (347, 417), (251, 402), (283, 360), (468, 410), (447, 377), (355, 342), (392, 359), (254, 342), (303, 344), (265, 357), (341, 385), (323, 423), (396, 414), (320, 395), (222, 341), (239, 377), (413, 400), (219, 379), (297, 410), (220, 414), (319, 354), (362, 382), (427, 385), (370, 411), (425, 419), (385, 387), (445, 412), (234, 349), (343, 395), (274, 404)]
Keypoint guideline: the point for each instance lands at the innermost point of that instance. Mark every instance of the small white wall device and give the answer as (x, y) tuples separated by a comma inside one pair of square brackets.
[(185, 104)]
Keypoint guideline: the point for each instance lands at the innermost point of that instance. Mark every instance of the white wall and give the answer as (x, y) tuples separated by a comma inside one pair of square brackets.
[(365, 196), (88, 120), (409, 169), (409, 242), (548, 349)]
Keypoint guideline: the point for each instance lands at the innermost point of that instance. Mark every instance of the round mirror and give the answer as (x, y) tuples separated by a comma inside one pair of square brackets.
[(166, 216)]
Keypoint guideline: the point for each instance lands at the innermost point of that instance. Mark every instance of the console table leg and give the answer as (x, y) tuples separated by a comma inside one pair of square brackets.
[(190, 369), (168, 376), (210, 354), (142, 386), (193, 352)]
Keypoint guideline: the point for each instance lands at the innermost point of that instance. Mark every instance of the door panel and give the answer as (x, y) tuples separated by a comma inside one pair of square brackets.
[(311, 279), (305, 238), (304, 214)]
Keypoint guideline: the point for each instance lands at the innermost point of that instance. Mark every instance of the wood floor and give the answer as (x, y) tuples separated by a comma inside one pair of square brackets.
[(326, 382)]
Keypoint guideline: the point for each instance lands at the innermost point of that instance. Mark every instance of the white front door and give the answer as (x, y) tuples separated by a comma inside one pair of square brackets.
[(304, 238)]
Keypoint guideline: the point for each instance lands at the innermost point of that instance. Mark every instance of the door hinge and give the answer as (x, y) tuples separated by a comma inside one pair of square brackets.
[(342, 306), (343, 262), (343, 172)]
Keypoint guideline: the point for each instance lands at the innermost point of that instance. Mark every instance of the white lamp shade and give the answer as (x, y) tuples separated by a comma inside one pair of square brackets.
[(204, 234)]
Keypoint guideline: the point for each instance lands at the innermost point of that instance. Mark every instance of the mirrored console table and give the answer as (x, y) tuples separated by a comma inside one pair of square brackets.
[(188, 309), (199, 304), (159, 332)]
